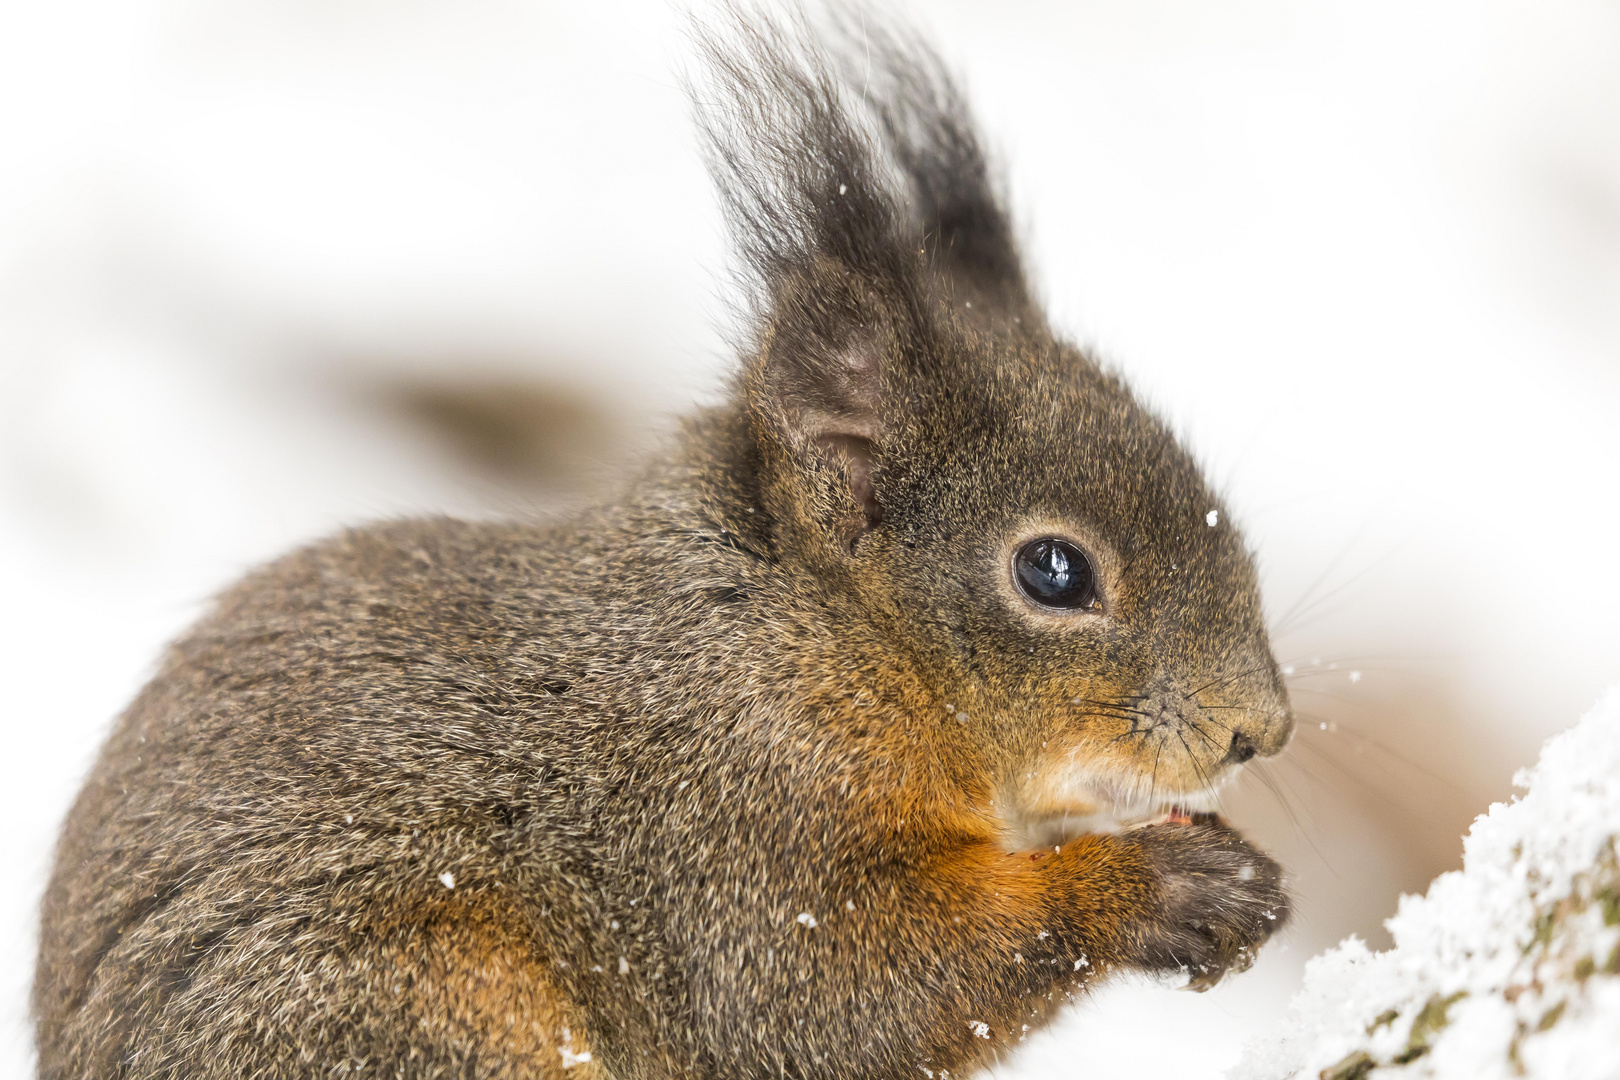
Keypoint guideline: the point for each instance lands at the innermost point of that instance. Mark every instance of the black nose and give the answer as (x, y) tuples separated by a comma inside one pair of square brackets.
[(1241, 749)]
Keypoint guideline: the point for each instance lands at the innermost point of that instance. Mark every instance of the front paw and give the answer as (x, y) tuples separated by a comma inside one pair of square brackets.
[(1218, 900)]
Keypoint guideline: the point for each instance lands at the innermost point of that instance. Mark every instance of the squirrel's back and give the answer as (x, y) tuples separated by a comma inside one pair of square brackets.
[(388, 735)]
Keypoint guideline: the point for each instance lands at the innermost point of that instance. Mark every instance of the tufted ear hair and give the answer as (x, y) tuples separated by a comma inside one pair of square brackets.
[(858, 202), (929, 134)]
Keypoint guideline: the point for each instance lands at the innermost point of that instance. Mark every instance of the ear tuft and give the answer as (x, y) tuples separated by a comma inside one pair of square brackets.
[(930, 135), (857, 197), (848, 139), (800, 177)]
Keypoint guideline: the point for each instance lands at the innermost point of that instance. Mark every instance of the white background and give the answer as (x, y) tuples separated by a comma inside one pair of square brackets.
[(1364, 253)]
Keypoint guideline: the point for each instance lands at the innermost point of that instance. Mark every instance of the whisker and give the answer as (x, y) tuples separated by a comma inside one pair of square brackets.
[(1339, 729), (1331, 695), (1119, 704), (1224, 680), (1116, 706), (1271, 784), (1318, 665), (1306, 599), (1196, 726), (1209, 786), (1129, 718), (1365, 783), (1291, 622)]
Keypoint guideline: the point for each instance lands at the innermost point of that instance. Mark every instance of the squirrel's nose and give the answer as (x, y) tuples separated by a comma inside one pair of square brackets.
[(1268, 740), (1241, 750)]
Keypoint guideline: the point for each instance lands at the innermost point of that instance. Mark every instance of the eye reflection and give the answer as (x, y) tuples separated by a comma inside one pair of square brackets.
[(1055, 574)]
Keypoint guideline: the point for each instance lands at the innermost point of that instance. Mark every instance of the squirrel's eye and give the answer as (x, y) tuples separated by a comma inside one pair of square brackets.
[(1055, 574)]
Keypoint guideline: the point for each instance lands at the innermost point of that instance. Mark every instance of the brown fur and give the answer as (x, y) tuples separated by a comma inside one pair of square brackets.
[(735, 775)]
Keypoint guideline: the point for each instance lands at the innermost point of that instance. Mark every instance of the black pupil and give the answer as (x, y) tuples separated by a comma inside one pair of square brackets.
[(1056, 574)]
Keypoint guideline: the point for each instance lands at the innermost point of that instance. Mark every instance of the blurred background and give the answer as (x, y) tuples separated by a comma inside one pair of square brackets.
[(271, 266)]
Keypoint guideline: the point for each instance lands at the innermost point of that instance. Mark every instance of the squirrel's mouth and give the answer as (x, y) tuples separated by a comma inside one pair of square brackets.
[(1044, 814), (1023, 833)]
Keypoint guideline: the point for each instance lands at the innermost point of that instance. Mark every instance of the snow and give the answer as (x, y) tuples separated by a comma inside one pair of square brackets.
[(1509, 967), (807, 920), (569, 1057), (447, 879), (1212, 518)]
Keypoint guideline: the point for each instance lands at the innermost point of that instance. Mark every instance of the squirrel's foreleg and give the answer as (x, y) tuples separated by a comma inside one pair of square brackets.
[(934, 965)]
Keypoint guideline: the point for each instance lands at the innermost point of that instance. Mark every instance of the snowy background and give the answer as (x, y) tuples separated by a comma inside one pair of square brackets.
[(268, 266)]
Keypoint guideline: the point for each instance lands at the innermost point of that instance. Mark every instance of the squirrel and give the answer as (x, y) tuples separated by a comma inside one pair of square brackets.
[(872, 721)]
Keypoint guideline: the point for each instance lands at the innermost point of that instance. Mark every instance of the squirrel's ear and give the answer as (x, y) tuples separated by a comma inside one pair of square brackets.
[(859, 201), (833, 265), (817, 391)]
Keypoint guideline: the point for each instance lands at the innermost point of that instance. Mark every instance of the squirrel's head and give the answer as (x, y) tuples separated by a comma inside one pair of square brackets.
[(937, 467)]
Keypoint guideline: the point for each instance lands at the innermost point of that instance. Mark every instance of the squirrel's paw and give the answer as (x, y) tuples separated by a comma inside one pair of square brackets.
[(1219, 900)]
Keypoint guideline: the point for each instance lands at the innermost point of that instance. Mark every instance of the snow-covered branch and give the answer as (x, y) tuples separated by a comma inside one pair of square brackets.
[(1507, 968)]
